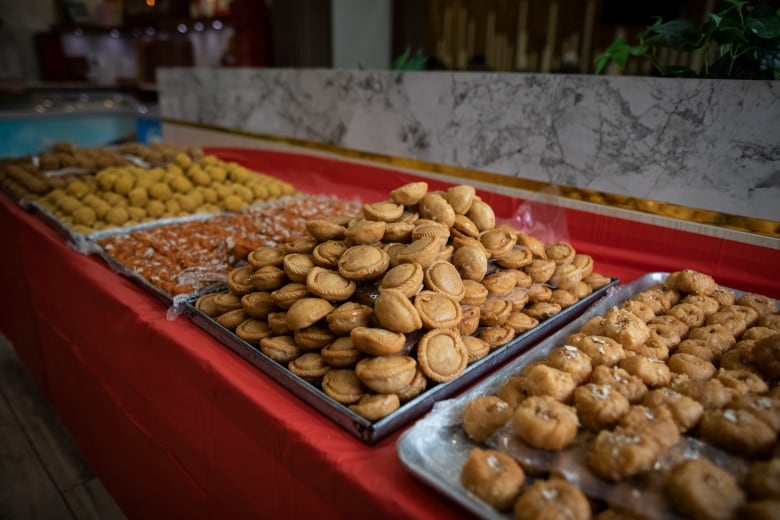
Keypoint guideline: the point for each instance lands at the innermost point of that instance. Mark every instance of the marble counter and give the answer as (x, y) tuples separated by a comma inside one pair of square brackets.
[(704, 143)]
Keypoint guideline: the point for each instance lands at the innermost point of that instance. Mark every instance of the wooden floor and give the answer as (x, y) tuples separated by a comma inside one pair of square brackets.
[(42, 473)]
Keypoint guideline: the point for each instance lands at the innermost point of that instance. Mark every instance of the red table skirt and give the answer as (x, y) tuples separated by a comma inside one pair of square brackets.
[(177, 425)]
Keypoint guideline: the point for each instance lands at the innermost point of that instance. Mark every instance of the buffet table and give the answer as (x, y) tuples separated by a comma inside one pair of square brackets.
[(176, 425)]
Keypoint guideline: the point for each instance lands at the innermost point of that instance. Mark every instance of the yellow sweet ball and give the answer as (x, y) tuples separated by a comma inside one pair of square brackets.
[(233, 203), (136, 213), (209, 208), (155, 208), (223, 192), (144, 181), (68, 204), (124, 183), (85, 216), (101, 209), (287, 189), (209, 159), (169, 177), (55, 194), (117, 216), (260, 191), (91, 200), (137, 197), (181, 184), (209, 195), (274, 190), (217, 173), (174, 169), (172, 206), (78, 189), (243, 193), (188, 203), (160, 191), (115, 199), (81, 229), (156, 174), (197, 196), (182, 159), (200, 177), (106, 179), (239, 173)]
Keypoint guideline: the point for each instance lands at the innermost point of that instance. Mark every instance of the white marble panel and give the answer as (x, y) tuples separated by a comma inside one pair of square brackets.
[(704, 143)]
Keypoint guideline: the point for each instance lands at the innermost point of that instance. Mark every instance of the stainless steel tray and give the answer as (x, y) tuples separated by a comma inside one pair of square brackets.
[(372, 432), (435, 447)]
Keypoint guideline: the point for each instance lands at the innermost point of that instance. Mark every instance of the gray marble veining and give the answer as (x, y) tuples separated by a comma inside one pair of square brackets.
[(703, 143)]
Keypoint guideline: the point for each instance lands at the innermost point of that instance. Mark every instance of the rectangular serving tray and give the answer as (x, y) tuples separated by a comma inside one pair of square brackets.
[(372, 432), (435, 447)]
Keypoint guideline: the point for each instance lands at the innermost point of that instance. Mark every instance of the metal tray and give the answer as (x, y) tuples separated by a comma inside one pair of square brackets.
[(372, 432), (436, 447)]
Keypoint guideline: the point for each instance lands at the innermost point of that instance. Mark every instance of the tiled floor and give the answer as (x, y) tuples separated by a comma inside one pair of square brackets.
[(42, 473)]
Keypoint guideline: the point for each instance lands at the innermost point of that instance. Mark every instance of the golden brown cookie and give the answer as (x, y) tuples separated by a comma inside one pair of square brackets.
[(329, 285), (545, 423), (343, 385), (363, 262), (407, 278), (280, 348), (342, 353), (493, 476), (437, 310)]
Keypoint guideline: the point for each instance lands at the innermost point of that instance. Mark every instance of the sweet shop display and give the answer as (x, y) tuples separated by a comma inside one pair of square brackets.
[(184, 257), (661, 403), (375, 309)]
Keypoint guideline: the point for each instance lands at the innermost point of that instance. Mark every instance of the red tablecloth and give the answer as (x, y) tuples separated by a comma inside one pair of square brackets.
[(177, 425)]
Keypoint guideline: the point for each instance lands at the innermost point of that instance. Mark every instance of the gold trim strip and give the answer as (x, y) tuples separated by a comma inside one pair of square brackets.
[(768, 228)]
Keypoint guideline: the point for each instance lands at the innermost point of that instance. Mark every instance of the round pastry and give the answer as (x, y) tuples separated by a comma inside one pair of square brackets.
[(268, 278), (329, 285), (742, 382), (739, 357), (620, 453), (554, 499), (593, 327), (724, 296), (560, 252), (542, 310), (520, 322), (281, 349), (471, 262), (460, 198), (430, 228), (599, 406), (766, 353), (347, 316), (516, 258), (482, 215), (407, 278), (341, 353), (691, 366), (239, 281), (545, 423), (657, 301), (232, 319), (657, 423), (498, 241), (631, 387), (541, 379), (437, 310), (572, 361), (734, 322), (398, 232), (288, 294), (690, 314), (600, 349), (597, 281), (322, 229), (757, 332), (565, 276), (625, 327), (700, 489), (258, 304), (693, 282), (674, 324), (416, 387), (493, 476), (343, 385), (763, 479), (512, 391), (444, 278), (540, 270), (477, 348), (766, 509), (206, 305), (278, 323), (376, 406), (310, 367), (313, 337), (327, 254), (441, 354), (584, 263), (464, 227), (711, 393), (252, 331), (534, 244), (395, 311), (302, 246), (483, 415), (642, 310), (770, 320), (653, 372), (494, 312), (435, 207), (423, 251), (363, 262), (749, 313), (699, 349), (409, 194), (707, 303), (500, 283), (563, 298), (539, 292), (737, 431), (387, 211), (766, 408), (307, 311), (761, 304), (386, 374), (497, 335), (377, 342), (469, 322), (362, 231), (685, 411), (715, 336)]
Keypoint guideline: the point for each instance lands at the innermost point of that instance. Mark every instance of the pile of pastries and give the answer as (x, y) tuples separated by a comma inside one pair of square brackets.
[(63, 155), (374, 309), (128, 195), (673, 394), (158, 153)]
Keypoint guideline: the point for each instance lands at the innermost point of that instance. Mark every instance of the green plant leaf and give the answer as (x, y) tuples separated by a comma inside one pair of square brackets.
[(767, 28), (678, 34), (715, 18), (400, 61)]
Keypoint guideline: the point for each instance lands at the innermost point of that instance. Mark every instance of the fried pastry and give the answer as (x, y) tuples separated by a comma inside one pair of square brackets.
[(483, 415), (343, 385), (342, 353), (239, 281), (377, 341), (738, 431), (441, 354), (309, 366), (386, 374), (329, 285), (395, 311), (545, 423), (376, 406), (363, 262), (553, 499), (288, 294), (493, 476), (437, 310), (253, 330), (599, 406), (307, 311), (407, 278), (347, 316), (281, 349), (701, 490), (409, 194)]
